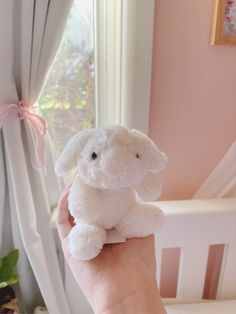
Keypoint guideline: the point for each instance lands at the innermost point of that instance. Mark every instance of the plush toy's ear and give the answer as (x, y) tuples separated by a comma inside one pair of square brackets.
[(156, 159), (67, 159)]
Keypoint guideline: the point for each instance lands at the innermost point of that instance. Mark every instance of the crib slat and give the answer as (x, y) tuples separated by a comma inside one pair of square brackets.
[(227, 284), (194, 225), (158, 252), (192, 272)]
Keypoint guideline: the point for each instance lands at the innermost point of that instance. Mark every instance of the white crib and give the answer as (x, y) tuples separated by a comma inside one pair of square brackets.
[(199, 237), (197, 233)]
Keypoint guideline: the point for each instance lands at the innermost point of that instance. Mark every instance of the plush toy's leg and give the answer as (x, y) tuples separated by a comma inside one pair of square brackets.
[(140, 221), (86, 240)]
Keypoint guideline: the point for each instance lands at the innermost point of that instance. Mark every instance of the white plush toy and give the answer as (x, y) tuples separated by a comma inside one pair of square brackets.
[(117, 174)]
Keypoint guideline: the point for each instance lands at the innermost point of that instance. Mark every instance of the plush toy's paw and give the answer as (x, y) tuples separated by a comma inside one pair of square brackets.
[(141, 221), (86, 241)]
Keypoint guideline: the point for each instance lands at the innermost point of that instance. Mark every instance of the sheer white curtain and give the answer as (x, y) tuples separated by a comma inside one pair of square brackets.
[(30, 32), (222, 181)]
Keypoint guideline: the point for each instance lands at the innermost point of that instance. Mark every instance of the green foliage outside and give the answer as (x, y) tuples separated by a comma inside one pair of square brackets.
[(7, 264), (67, 101)]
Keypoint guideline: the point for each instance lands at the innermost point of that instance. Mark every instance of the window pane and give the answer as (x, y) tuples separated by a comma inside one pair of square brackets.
[(67, 100)]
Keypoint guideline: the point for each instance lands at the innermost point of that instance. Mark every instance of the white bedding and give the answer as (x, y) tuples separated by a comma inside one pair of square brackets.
[(214, 307)]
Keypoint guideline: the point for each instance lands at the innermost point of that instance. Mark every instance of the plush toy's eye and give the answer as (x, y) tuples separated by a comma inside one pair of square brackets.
[(94, 155), (137, 156)]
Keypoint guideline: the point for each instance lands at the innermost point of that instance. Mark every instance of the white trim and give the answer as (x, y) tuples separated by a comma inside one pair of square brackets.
[(137, 38), (123, 61), (107, 20)]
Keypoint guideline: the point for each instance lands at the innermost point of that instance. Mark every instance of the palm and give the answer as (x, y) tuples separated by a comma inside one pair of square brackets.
[(119, 270), (130, 265)]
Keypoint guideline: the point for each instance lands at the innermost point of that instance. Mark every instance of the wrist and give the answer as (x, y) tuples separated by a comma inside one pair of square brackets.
[(147, 301)]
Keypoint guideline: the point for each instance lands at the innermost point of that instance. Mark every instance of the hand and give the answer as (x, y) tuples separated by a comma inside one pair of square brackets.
[(121, 279)]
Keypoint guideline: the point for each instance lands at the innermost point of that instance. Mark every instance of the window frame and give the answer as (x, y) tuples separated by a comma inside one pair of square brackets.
[(123, 32)]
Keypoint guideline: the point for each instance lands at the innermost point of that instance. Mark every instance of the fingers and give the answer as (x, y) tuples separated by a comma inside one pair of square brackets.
[(64, 221)]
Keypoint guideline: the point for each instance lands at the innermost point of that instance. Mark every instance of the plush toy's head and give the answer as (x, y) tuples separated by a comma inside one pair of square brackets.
[(112, 157)]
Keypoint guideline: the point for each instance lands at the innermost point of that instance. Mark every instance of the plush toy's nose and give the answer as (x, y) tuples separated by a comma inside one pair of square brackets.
[(116, 160)]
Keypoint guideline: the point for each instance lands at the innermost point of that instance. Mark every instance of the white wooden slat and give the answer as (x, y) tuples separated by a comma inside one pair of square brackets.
[(198, 206), (227, 283), (192, 270), (158, 252), (194, 225), (211, 228)]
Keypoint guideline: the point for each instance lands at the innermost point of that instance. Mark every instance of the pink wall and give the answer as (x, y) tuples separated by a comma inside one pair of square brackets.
[(193, 101)]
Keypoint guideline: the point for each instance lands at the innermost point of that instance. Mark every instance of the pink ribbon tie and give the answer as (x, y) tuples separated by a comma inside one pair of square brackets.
[(37, 123)]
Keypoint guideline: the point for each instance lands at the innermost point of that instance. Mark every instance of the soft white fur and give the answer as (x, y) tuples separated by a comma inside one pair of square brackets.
[(109, 191)]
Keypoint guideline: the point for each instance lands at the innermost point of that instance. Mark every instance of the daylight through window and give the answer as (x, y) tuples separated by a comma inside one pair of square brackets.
[(67, 100)]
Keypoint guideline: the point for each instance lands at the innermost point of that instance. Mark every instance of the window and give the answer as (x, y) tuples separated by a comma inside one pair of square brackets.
[(102, 71), (68, 98)]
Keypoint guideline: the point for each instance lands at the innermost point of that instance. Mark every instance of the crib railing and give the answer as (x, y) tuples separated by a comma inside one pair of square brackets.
[(196, 250)]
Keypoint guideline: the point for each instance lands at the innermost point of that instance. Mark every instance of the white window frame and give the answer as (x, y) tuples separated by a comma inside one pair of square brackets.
[(123, 62)]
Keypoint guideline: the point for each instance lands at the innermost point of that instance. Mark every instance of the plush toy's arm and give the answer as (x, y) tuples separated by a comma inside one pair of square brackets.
[(150, 188)]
